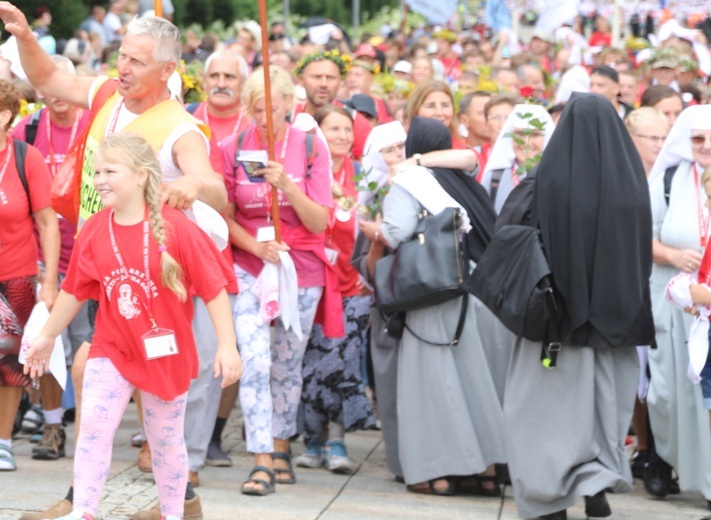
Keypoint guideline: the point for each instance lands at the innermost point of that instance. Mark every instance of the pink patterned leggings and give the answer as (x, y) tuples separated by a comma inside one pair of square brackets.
[(105, 396)]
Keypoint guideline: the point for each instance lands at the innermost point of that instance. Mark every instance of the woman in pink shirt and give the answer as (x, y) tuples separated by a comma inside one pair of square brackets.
[(271, 386)]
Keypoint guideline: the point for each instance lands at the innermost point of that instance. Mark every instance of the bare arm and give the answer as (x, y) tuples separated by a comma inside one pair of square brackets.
[(686, 260), (456, 159), (199, 181), (240, 238), (40, 69), (67, 306), (50, 239), (227, 359), (313, 215)]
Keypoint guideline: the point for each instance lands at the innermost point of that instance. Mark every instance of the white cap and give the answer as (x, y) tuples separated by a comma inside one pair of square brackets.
[(403, 66)]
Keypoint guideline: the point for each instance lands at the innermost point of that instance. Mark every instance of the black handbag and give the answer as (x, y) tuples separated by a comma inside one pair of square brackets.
[(428, 269), (424, 271), (514, 281)]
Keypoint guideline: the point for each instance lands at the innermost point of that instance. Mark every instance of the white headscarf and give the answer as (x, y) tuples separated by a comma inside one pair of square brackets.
[(576, 79), (502, 154), (373, 163), (677, 147)]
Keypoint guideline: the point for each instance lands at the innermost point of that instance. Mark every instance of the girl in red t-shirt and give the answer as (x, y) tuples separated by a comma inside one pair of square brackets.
[(139, 260)]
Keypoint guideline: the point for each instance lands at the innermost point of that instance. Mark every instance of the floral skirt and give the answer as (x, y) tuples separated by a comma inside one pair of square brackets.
[(333, 388), (17, 298)]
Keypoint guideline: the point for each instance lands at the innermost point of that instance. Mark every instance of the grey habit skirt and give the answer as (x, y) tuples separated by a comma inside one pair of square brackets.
[(450, 418), (565, 428)]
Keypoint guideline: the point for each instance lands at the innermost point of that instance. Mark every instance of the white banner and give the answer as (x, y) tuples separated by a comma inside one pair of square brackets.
[(436, 12), (554, 13)]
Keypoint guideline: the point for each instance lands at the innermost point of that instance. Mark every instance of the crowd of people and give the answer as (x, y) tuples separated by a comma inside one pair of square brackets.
[(177, 276)]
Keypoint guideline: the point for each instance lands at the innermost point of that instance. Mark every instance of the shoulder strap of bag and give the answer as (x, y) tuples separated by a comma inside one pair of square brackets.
[(495, 181), (192, 107), (552, 343), (668, 177), (20, 154), (460, 326), (32, 124)]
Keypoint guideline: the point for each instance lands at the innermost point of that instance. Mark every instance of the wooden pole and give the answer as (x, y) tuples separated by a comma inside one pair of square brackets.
[(268, 107), (158, 8)]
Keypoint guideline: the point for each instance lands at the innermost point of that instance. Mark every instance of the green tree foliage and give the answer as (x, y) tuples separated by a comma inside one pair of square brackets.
[(66, 14)]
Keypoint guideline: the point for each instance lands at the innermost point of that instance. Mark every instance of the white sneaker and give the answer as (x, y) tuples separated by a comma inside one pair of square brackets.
[(337, 459), (312, 457)]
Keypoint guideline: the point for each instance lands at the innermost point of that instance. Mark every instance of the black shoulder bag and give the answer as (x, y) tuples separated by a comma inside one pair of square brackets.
[(424, 271)]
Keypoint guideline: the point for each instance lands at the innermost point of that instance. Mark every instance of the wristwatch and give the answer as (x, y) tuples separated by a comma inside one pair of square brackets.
[(417, 158)]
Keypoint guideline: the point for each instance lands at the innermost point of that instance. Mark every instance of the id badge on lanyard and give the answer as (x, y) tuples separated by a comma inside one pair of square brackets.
[(157, 342)]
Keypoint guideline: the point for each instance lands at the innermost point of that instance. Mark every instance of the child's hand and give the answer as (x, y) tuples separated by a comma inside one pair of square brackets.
[(37, 359), (228, 363)]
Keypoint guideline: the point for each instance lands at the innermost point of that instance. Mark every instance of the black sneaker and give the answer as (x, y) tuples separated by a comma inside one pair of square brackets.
[(597, 506)]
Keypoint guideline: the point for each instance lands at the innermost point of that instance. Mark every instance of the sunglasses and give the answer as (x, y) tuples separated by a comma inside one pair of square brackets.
[(698, 140)]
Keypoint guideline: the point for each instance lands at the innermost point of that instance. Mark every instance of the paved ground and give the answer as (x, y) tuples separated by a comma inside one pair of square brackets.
[(371, 493)]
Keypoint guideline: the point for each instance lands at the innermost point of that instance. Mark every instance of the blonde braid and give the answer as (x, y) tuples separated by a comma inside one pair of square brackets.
[(133, 151)]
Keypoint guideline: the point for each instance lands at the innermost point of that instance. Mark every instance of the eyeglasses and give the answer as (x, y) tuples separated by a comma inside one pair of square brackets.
[(392, 148), (653, 138), (698, 140), (496, 118)]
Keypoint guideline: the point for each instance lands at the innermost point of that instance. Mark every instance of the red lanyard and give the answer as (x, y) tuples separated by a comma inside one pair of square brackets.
[(8, 147), (284, 144), (206, 118), (114, 118), (75, 126), (125, 274), (703, 219)]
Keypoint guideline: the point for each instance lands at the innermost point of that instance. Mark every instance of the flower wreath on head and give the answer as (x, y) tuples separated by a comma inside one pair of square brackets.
[(373, 68), (343, 61)]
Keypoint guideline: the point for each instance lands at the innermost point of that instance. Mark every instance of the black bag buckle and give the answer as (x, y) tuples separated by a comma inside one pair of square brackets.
[(549, 354)]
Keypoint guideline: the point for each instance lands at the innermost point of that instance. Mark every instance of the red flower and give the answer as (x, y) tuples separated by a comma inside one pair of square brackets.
[(526, 92)]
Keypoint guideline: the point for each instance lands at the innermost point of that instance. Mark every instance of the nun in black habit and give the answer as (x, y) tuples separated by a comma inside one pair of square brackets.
[(565, 427)]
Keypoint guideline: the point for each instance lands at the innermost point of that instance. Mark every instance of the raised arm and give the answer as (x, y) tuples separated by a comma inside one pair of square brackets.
[(41, 71), (200, 181)]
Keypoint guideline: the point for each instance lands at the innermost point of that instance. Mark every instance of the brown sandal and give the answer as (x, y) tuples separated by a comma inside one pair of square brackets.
[(429, 488)]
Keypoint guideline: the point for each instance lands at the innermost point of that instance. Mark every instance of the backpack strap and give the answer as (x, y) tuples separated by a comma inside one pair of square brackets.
[(240, 141), (192, 107), (31, 127), (310, 152), (20, 154), (496, 176), (668, 177)]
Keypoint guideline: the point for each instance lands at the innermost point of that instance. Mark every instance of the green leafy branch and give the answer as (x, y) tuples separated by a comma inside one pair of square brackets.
[(534, 125), (378, 193)]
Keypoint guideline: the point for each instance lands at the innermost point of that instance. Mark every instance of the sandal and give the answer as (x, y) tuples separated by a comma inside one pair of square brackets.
[(277, 455), (428, 488), (267, 487), (7, 459), (474, 485)]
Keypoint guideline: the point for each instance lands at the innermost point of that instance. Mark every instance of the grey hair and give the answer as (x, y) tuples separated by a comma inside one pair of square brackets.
[(167, 36), (225, 53), (69, 64)]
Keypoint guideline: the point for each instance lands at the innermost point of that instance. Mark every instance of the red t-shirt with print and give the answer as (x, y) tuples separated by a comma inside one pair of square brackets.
[(18, 252), (124, 311), (54, 154)]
